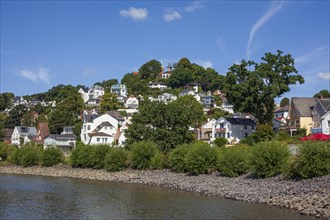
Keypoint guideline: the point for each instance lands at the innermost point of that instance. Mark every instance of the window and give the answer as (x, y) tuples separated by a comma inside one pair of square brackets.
[(85, 137), (228, 135), (221, 125), (97, 139), (328, 123), (245, 127), (88, 127), (246, 134), (252, 127)]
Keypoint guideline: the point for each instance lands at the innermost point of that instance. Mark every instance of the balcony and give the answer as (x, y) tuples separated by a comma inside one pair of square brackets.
[(220, 130)]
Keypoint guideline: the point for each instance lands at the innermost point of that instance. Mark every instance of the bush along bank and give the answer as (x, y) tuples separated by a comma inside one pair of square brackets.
[(263, 160)]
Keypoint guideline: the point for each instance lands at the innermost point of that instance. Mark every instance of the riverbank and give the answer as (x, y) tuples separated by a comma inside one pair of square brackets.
[(309, 197)]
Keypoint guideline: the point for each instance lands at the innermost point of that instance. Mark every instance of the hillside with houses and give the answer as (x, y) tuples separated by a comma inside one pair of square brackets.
[(105, 113)]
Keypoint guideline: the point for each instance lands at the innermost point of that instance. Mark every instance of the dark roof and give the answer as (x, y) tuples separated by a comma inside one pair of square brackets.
[(115, 115), (62, 136), (102, 134), (303, 106), (241, 121), (282, 109), (43, 128), (325, 103)]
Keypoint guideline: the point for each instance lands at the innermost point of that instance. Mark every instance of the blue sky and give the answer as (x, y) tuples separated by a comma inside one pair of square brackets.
[(46, 43)]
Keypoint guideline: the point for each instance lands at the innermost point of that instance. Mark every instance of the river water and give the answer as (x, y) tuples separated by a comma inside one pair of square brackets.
[(35, 197)]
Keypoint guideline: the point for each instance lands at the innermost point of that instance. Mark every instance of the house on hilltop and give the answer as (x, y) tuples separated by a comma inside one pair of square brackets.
[(24, 133)]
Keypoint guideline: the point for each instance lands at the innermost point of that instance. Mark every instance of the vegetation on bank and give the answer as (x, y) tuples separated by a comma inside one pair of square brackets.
[(265, 159)]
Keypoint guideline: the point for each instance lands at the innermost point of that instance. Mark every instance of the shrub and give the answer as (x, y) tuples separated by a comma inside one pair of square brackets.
[(200, 158), (177, 158), (158, 161), (52, 156), (81, 156), (268, 158), (97, 156), (282, 136), (115, 159), (26, 156), (141, 154), (220, 142), (6, 150), (233, 161), (313, 160)]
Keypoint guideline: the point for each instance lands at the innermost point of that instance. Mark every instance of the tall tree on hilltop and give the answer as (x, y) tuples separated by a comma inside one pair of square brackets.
[(252, 87), (106, 84), (150, 70), (284, 102)]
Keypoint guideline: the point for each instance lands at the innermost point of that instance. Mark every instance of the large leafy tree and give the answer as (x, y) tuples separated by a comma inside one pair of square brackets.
[(109, 102), (323, 93), (15, 116), (167, 125), (65, 113), (106, 84), (6, 100), (284, 102), (150, 70), (134, 84), (252, 87)]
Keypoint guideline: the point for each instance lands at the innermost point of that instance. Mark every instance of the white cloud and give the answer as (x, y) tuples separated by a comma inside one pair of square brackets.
[(137, 14), (309, 56), (204, 63), (89, 72), (193, 7), (42, 75), (171, 15), (275, 7), (324, 76)]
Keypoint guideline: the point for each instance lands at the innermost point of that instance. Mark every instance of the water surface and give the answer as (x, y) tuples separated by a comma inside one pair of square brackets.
[(36, 197)]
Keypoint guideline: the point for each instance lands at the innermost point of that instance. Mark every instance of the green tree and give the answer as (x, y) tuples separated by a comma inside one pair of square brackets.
[(109, 102), (284, 102), (150, 70), (323, 93), (180, 77), (166, 125), (6, 100), (106, 84), (15, 116), (252, 87)]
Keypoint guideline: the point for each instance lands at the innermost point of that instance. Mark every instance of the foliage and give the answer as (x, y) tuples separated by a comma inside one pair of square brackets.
[(268, 158), (180, 77), (61, 92), (6, 150), (200, 158), (97, 156), (150, 70), (142, 153), (26, 156), (233, 161), (284, 102), (313, 160), (282, 136), (15, 116), (252, 87), (115, 159), (6, 100), (158, 161), (167, 125), (134, 84), (52, 156), (65, 113), (177, 158), (323, 93), (264, 132), (81, 156), (220, 142), (106, 84), (109, 102)]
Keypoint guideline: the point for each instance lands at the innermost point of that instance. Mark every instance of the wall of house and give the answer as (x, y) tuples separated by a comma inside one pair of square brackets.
[(306, 122), (326, 125), (101, 140), (49, 142)]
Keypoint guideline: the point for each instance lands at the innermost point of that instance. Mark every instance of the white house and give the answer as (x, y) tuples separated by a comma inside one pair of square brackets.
[(119, 89), (132, 102), (101, 129), (227, 107), (233, 129), (166, 97), (65, 141), (157, 85), (325, 123), (27, 133), (93, 94)]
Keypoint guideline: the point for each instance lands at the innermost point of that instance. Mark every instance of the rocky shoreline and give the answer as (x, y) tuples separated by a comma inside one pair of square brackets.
[(308, 197)]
